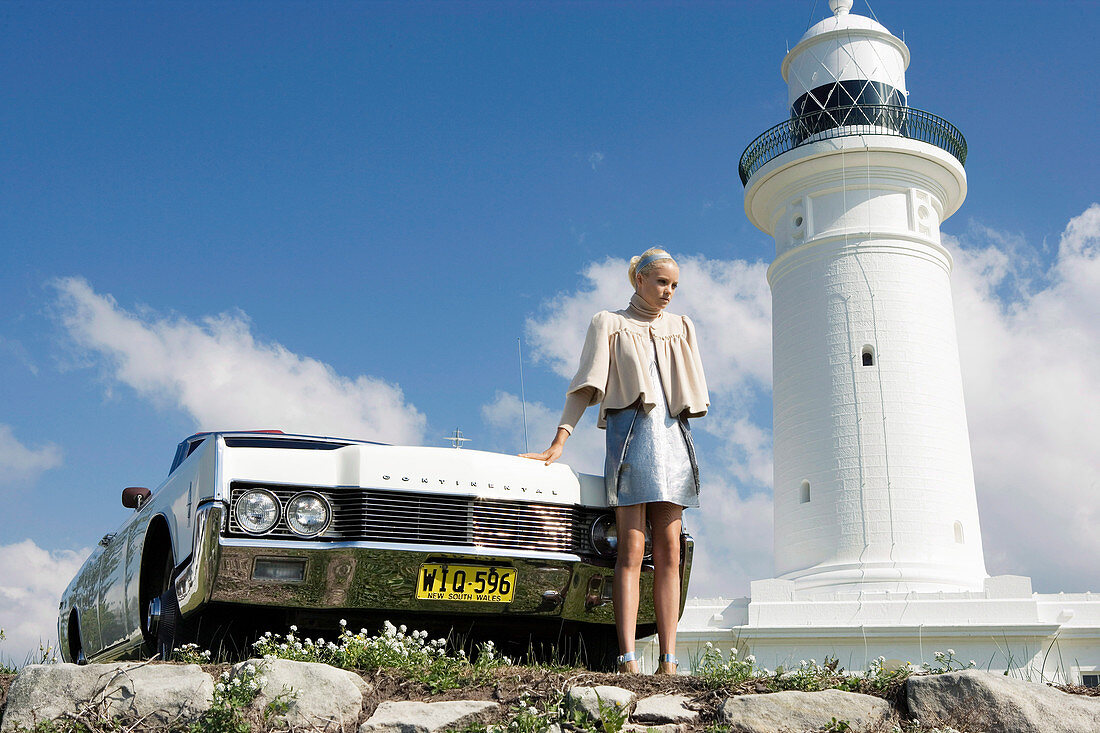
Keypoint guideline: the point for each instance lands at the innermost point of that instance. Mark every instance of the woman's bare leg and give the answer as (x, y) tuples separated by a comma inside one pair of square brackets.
[(630, 523), (666, 520)]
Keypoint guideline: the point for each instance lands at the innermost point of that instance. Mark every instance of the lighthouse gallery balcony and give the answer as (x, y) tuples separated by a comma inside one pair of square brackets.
[(850, 120)]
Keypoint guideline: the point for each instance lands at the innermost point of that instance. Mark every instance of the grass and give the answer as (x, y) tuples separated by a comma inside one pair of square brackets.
[(411, 654), (437, 666), (46, 655)]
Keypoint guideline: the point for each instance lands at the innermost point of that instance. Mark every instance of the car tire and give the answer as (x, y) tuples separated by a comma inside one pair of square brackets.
[(160, 615), (76, 646), (169, 620)]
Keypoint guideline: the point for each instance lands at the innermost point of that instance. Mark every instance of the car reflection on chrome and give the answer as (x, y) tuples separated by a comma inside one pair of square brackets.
[(258, 530)]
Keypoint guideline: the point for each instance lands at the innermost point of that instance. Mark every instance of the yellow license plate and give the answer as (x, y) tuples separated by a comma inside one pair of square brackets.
[(465, 583)]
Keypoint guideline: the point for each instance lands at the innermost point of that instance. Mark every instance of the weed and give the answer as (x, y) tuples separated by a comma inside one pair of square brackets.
[(232, 694), (190, 654), (410, 653), (46, 655), (720, 672), (946, 662), (837, 726), (5, 668), (612, 718), (526, 718)]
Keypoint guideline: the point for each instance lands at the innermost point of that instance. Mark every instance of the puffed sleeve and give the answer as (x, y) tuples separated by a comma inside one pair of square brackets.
[(575, 405), (696, 396), (595, 359)]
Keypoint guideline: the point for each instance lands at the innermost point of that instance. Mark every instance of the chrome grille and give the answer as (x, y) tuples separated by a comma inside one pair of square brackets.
[(372, 515)]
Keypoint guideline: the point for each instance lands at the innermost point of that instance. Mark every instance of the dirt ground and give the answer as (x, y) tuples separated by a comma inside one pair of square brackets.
[(509, 684)]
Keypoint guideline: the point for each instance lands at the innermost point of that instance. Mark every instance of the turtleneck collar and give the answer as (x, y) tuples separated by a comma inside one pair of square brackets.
[(642, 310)]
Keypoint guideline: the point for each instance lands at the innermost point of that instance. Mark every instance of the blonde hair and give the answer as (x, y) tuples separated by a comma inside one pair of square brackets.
[(632, 272)]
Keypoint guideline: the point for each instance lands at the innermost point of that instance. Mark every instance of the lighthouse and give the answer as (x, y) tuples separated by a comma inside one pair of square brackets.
[(874, 486), (878, 551)]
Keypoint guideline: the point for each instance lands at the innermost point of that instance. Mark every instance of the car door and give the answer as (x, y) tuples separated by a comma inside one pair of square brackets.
[(112, 589)]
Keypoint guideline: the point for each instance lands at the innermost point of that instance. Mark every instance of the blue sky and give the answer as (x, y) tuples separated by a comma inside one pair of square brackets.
[(210, 210)]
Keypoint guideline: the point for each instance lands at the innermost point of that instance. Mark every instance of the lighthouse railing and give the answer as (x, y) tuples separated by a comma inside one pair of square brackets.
[(844, 121)]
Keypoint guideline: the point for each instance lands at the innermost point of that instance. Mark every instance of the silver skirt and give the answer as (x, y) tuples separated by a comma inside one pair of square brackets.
[(650, 457)]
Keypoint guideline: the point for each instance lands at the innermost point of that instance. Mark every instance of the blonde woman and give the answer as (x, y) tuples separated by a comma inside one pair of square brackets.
[(641, 366)]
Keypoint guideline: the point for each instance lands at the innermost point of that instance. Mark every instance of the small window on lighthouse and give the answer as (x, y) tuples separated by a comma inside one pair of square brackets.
[(868, 356), (805, 498), (959, 533)]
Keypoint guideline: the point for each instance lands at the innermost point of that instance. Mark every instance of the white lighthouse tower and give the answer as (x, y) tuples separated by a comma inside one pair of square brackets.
[(874, 487), (878, 551)]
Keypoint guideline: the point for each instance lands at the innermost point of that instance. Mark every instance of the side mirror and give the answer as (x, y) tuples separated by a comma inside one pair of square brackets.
[(134, 497)]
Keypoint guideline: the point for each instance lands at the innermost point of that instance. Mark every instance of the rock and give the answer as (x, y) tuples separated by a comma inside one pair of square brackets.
[(994, 702), (799, 711), (318, 696), (589, 699), (664, 709), (666, 728), (96, 693), (423, 717)]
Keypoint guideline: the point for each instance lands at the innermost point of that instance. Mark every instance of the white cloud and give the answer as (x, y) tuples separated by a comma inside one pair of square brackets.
[(216, 371), (504, 415), (1029, 334), (20, 463), (31, 583), (728, 300), (1029, 339), (731, 306), (733, 540)]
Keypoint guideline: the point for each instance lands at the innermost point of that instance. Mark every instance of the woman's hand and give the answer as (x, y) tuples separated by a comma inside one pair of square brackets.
[(552, 453), (549, 455)]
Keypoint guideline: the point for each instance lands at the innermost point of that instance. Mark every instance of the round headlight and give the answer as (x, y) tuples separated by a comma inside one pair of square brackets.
[(307, 513), (605, 537), (257, 511)]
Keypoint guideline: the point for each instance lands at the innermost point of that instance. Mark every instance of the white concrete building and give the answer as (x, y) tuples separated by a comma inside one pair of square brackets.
[(878, 547)]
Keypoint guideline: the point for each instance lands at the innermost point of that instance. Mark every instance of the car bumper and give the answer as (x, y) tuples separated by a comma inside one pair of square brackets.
[(381, 578)]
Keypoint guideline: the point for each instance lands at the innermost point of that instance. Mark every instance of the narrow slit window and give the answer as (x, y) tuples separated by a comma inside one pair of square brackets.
[(959, 537), (868, 356), (805, 493)]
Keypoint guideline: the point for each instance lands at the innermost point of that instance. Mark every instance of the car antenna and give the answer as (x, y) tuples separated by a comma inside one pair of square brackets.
[(522, 396)]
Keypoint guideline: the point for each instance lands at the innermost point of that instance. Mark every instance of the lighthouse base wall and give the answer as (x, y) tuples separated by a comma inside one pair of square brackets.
[(1003, 628)]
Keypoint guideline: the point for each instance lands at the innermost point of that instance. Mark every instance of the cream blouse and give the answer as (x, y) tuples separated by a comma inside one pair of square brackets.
[(613, 370)]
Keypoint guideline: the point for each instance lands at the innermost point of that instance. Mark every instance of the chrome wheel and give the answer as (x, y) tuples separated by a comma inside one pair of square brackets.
[(152, 616)]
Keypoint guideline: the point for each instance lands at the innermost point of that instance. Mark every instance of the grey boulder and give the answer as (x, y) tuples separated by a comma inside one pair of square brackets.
[(999, 704), (308, 695), (782, 712), (424, 717), (590, 699), (664, 709), (167, 694)]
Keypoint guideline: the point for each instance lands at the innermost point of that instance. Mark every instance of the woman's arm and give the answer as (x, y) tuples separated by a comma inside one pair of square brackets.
[(575, 404), (587, 387)]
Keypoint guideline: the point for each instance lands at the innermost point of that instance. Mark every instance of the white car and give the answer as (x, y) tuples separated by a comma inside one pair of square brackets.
[(255, 531)]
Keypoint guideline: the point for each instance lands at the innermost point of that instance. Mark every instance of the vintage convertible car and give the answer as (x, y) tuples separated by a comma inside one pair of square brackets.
[(258, 530)]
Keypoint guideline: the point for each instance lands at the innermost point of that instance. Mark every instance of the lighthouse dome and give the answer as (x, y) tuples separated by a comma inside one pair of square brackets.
[(843, 60), (843, 21)]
